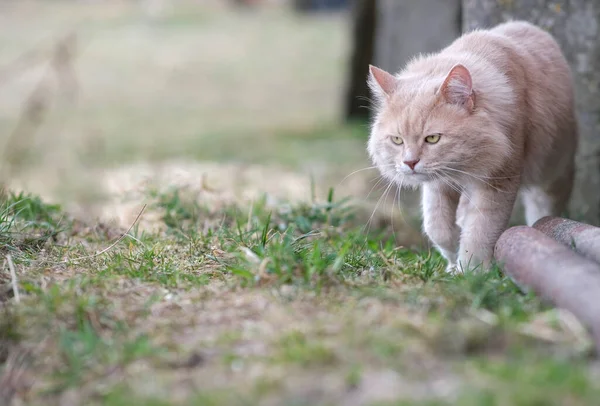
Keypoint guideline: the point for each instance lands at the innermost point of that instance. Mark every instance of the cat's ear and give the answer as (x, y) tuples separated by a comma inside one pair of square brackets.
[(458, 87), (381, 82)]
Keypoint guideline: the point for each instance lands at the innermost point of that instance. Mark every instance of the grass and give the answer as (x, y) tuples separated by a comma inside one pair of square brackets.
[(26, 223), (294, 292)]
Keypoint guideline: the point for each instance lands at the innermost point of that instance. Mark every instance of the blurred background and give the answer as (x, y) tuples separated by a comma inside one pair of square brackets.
[(99, 98)]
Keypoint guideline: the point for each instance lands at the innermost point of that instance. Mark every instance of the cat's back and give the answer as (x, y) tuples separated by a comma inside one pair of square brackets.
[(544, 71), (540, 78), (528, 36), (552, 129), (538, 46), (514, 42)]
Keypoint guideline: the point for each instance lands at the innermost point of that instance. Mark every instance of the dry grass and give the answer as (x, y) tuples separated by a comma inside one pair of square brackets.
[(203, 84), (218, 305)]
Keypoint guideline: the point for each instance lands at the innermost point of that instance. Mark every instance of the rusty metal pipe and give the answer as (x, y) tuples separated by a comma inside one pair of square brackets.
[(581, 237), (555, 272)]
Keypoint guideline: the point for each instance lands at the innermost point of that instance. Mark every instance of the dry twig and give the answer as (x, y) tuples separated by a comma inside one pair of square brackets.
[(13, 277), (111, 246)]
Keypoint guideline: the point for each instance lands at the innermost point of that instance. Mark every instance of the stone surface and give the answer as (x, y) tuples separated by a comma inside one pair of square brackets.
[(576, 26), (553, 271), (406, 28), (580, 237)]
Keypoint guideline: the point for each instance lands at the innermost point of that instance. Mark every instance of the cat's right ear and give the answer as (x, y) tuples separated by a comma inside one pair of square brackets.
[(458, 87), (381, 82)]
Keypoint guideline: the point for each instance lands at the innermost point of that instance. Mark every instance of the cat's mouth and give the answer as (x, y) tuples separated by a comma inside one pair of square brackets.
[(417, 172), (415, 178)]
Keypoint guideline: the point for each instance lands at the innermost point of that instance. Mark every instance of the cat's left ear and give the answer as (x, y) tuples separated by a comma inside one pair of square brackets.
[(381, 82), (458, 88)]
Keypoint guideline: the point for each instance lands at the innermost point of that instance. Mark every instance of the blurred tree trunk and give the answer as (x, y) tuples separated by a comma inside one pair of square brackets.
[(363, 45), (319, 5), (406, 28), (390, 32), (576, 26), (302, 5)]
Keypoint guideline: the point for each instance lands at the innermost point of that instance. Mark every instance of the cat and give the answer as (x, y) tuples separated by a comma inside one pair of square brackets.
[(489, 117)]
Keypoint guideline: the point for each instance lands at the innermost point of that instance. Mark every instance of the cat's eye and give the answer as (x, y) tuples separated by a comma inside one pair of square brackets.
[(432, 139), (397, 140)]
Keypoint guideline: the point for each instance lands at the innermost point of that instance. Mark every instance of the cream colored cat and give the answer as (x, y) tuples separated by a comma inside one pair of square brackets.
[(491, 114)]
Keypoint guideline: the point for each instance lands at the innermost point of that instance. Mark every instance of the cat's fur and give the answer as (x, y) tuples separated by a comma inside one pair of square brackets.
[(502, 100)]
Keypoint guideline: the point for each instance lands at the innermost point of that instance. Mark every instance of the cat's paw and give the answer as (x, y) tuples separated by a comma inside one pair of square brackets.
[(474, 266), (453, 268)]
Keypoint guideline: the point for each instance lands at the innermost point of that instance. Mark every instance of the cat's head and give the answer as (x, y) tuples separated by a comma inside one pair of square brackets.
[(429, 126)]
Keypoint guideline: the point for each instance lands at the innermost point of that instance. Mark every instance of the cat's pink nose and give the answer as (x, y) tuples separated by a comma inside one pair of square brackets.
[(412, 164)]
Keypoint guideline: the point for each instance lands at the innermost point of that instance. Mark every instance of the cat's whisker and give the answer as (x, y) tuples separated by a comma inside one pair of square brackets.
[(383, 196), (367, 99), (460, 190), (474, 176), (399, 191), (480, 176), (450, 178), (464, 193), (447, 168), (451, 185), (392, 212), (362, 170), (396, 198), (370, 108), (378, 177), (381, 179)]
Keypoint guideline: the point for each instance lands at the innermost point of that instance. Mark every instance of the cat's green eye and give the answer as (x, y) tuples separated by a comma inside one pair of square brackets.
[(397, 140), (432, 139)]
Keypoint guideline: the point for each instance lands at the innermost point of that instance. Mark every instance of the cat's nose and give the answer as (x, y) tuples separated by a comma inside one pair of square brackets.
[(412, 164)]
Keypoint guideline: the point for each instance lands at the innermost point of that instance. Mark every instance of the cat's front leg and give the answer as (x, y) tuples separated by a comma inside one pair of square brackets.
[(439, 219), (486, 217)]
